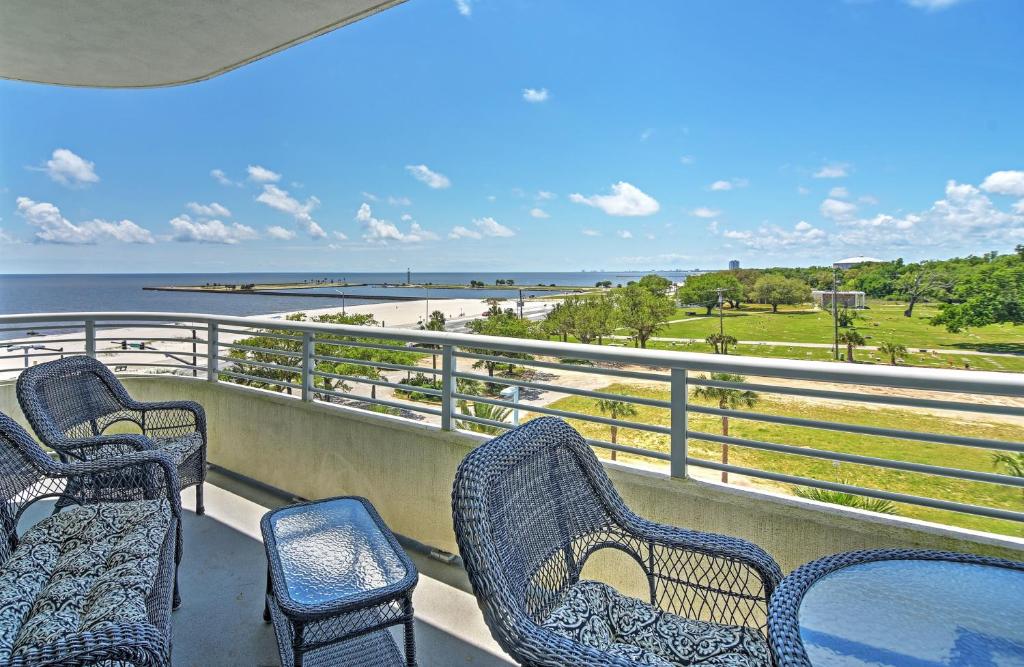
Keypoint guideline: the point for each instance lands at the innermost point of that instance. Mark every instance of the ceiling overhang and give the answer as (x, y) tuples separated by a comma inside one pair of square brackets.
[(149, 43)]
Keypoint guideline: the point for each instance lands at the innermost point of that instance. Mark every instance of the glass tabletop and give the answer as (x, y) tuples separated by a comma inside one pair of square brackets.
[(333, 550), (915, 613)]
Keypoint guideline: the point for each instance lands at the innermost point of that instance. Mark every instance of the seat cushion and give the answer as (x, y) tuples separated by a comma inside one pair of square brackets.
[(179, 447), (596, 615), (84, 569)]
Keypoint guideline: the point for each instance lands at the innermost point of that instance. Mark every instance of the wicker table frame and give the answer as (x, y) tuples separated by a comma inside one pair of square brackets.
[(346, 631), (784, 609)]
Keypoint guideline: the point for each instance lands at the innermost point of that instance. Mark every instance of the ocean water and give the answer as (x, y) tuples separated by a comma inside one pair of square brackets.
[(123, 292)]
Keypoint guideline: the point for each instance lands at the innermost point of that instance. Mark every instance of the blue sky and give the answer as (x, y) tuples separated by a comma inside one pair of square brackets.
[(542, 135)]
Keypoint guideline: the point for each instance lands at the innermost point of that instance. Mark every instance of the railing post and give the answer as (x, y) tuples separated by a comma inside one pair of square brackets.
[(90, 338), (307, 366), (212, 351), (679, 397), (447, 386)]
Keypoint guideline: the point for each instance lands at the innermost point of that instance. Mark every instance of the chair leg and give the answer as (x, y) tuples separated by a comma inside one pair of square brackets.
[(176, 600), (178, 551), (200, 508)]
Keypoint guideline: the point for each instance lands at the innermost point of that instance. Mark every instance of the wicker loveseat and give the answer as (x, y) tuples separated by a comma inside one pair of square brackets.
[(531, 506), (71, 403), (94, 580)]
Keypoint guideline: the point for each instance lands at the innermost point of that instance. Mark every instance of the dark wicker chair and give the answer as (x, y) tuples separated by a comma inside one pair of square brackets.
[(27, 476), (532, 505), (71, 402)]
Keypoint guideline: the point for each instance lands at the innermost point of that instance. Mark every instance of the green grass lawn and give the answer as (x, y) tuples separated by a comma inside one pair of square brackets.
[(969, 458), (883, 321)]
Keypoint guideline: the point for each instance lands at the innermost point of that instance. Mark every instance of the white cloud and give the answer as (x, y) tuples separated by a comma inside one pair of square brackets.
[(837, 209), (370, 196), (801, 190), (423, 173), (626, 200), (188, 230), (279, 199), (5, 237), (484, 227), (535, 95), (341, 236), (591, 232), (406, 217), (647, 134), (544, 195), (932, 5), (211, 210), (705, 212), (687, 159), (539, 213), (464, 7), (1005, 183), (460, 232), (772, 238), (649, 236), (222, 178), (262, 174), (832, 171), (382, 231), (839, 192), (1019, 207), (280, 233), (399, 201), (723, 186), (69, 169), (52, 227), (624, 234), (868, 200)]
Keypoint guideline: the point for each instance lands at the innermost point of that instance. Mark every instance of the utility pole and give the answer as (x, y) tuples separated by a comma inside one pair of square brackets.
[(408, 276), (721, 312), (835, 312)]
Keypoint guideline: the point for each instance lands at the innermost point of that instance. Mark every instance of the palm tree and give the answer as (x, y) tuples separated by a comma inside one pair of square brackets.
[(496, 413), (615, 409), (892, 350), (727, 399), (720, 342), (1012, 464), (846, 499), (851, 339)]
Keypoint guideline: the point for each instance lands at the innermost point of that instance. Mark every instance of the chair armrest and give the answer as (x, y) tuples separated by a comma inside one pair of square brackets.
[(728, 576), (171, 417), (143, 475), (104, 446), (132, 643)]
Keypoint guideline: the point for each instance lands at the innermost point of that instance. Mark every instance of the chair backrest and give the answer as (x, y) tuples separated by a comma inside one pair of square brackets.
[(22, 466), (529, 507), (69, 398)]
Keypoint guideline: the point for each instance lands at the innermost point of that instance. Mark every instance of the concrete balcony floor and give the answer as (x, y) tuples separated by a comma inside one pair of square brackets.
[(223, 575)]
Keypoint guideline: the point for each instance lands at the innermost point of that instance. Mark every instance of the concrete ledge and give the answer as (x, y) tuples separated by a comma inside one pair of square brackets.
[(407, 470)]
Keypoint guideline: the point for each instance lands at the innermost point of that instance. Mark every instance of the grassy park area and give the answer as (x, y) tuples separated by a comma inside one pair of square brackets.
[(893, 480)]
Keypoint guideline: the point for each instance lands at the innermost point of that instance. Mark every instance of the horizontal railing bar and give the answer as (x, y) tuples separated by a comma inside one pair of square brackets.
[(829, 455), (261, 334), (565, 390), (562, 413), (946, 380), (296, 370), (65, 327), (149, 365), (147, 339), (906, 401), (457, 417), (614, 372), (379, 383), (415, 349), (261, 350), (18, 355), (374, 364), (378, 401), (920, 436), (626, 449), (46, 341), (261, 380), (934, 503), (106, 326)]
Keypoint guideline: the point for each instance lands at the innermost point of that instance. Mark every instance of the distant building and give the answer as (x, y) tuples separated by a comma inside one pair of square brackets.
[(851, 262), (734, 264), (845, 299)]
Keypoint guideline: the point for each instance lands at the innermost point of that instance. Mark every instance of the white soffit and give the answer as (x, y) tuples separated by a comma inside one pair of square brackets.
[(145, 43)]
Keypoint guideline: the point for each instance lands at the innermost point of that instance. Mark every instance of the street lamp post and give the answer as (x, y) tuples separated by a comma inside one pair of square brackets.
[(26, 348), (835, 312)]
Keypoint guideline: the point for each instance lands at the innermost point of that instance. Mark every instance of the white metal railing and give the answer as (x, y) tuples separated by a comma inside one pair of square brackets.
[(304, 358)]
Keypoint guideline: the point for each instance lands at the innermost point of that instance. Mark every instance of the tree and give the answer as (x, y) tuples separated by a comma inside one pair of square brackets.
[(558, 322), (775, 289), (642, 312), (851, 339), (497, 413), (504, 324), (435, 323), (988, 292), (720, 342), (615, 409), (589, 318), (846, 499), (892, 350), (655, 284), (921, 282), (727, 399), (701, 290)]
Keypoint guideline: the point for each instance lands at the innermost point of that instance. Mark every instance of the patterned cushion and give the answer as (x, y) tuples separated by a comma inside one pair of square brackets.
[(596, 615), (83, 569), (180, 447)]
